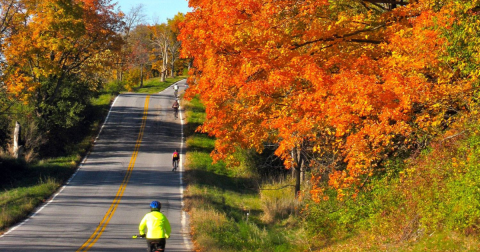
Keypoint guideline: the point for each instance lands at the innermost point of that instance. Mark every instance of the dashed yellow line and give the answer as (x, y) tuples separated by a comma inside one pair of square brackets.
[(109, 214)]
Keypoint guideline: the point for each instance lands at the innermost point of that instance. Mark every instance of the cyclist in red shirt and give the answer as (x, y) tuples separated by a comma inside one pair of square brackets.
[(175, 160)]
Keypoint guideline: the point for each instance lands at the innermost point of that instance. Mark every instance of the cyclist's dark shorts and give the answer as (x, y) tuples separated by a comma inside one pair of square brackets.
[(161, 243)]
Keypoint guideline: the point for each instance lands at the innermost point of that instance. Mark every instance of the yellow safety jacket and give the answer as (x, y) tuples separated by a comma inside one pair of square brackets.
[(157, 225)]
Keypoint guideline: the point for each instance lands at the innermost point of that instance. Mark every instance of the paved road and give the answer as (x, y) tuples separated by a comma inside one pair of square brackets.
[(101, 206)]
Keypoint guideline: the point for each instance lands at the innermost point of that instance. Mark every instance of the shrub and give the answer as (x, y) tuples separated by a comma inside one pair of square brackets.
[(115, 87)]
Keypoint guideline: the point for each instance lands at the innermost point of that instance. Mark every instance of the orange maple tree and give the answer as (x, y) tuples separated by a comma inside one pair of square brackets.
[(354, 80)]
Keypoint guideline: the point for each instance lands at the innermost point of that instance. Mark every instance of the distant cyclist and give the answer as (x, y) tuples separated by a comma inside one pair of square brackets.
[(158, 227), (175, 107), (175, 160), (175, 88)]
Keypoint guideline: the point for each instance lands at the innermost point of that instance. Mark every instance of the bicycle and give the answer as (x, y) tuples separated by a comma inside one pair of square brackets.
[(155, 245), (175, 164), (175, 93), (175, 112)]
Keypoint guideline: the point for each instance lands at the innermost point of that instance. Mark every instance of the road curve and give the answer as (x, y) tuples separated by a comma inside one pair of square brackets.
[(130, 165)]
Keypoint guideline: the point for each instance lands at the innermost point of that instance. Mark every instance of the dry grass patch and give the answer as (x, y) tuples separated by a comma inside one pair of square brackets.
[(278, 201)]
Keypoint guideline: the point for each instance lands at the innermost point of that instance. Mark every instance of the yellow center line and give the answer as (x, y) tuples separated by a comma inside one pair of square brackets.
[(113, 207)]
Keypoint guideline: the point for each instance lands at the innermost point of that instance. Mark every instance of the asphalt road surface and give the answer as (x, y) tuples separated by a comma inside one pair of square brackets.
[(101, 206)]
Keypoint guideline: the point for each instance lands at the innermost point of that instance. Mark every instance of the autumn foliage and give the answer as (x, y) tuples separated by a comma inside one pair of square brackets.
[(56, 39), (55, 56), (349, 82)]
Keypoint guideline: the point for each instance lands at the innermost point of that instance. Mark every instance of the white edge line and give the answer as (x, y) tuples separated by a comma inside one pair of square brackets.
[(68, 181), (184, 217), (184, 214)]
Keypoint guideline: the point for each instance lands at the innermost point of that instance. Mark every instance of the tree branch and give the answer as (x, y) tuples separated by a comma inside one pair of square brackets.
[(334, 37)]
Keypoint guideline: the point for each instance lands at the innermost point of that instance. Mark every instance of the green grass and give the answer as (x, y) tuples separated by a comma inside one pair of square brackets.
[(154, 85), (445, 242), (16, 203), (30, 186), (103, 99), (220, 196)]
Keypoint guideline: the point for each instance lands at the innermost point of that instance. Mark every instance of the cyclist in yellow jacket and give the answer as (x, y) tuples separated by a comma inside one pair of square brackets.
[(158, 226)]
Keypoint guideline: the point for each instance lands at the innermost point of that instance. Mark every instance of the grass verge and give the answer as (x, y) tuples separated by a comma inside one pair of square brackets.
[(427, 202), (31, 186), (227, 203)]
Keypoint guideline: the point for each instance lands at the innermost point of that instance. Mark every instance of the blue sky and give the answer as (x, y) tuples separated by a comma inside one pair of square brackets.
[(156, 9)]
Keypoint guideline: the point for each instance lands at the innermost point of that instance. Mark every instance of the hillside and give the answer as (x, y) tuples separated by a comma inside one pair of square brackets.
[(426, 201)]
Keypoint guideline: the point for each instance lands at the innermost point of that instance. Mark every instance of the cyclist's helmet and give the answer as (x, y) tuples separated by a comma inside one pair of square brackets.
[(155, 205)]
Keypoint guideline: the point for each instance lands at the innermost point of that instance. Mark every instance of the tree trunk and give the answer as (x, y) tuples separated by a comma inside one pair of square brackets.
[(297, 181), (118, 75), (297, 168), (165, 62), (16, 140), (302, 171), (162, 74), (141, 76), (173, 66)]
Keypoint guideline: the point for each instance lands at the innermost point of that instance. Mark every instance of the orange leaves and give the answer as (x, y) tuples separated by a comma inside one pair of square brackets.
[(356, 82), (21, 85)]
